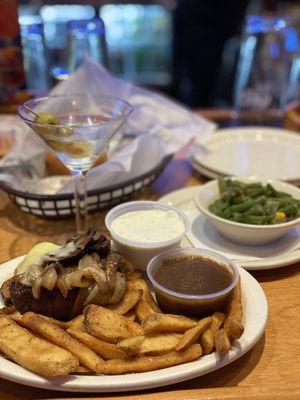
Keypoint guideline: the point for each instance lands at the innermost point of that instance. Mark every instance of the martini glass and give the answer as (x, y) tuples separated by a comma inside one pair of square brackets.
[(79, 133)]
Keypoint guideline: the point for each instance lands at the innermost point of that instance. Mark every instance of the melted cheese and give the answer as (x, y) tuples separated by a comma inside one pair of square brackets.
[(31, 266)]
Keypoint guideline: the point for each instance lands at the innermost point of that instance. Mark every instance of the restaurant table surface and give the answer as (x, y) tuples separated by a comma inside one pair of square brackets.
[(269, 371)]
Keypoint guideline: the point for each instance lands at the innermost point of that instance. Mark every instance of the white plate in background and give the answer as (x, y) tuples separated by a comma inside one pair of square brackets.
[(252, 151)]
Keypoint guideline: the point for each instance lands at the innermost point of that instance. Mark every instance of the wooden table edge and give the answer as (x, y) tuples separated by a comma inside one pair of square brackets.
[(276, 392), (257, 391)]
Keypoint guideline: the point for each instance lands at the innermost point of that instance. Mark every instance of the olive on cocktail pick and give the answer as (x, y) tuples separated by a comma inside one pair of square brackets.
[(52, 119), (47, 118)]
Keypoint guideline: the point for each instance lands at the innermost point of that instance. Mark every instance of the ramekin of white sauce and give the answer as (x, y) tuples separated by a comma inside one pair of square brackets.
[(143, 229)]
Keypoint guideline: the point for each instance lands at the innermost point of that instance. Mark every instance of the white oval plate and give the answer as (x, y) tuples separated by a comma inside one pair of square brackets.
[(254, 151), (255, 318), (274, 255), (203, 171)]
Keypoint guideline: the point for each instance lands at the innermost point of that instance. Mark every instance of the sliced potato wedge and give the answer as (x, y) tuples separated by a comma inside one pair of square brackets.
[(208, 337), (141, 284), (34, 353), (61, 338), (167, 323), (129, 301), (233, 324), (143, 309), (153, 344), (104, 349), (150, 363), (192, 335), (108, 325), (222, 342)]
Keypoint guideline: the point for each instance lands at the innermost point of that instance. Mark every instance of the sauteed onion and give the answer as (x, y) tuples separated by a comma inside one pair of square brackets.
[(77, 265)]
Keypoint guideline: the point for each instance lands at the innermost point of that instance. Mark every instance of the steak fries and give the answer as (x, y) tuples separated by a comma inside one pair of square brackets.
[(131, 336), (34, 353)]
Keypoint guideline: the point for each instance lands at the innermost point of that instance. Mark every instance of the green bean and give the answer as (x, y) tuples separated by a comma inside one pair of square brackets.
[(255, 210), (282, 194), (260, 199), (253, 203), (255, 185), (237, 217), (290, 210), (217, 207), (222, 184), (271, 207), (242, 207), (270, 191), (227, 214), (280, 201), (239, 185), (239, 199), (254, 219), (255, 192)]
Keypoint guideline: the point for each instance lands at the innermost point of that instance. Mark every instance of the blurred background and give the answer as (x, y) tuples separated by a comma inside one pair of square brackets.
[(198, 52)]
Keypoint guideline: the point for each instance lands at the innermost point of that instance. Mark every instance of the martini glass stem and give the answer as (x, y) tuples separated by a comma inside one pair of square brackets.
[(80, 201)]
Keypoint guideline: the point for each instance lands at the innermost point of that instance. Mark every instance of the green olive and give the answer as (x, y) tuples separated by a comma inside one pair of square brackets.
[(47, 118), (51, 119), (65, 131), (78, 149), (74, 150), (57, 146)]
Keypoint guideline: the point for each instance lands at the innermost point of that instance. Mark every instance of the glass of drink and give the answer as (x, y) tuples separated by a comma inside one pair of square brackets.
[(264, 66), (78, 129), (86, 37)]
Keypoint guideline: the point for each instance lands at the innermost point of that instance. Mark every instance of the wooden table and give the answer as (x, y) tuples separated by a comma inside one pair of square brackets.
[(270, 371)]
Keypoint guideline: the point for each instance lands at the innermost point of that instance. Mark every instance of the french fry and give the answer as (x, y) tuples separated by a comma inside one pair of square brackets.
[(141, 284), (7, 310), (233, 324), (16, 318), (167, 323), (128, 302), (81, 370), (103, 349), (62, 325), (108, 325), (208, 336), (61, 338), (144, 364), (158, 344), (76, 322), (132, 345), (130, 315), (34, 353), (222, 342), (153, 344), (133, 276), (192, 335), (143, 310)]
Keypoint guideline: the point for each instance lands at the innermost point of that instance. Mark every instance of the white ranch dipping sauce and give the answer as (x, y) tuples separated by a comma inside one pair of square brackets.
[(148, 225)]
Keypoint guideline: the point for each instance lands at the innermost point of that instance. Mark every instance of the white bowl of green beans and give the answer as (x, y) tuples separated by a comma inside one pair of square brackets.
[(250, 211)]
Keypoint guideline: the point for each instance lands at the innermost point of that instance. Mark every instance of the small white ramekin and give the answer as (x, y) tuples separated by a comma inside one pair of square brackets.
[(140, 253)]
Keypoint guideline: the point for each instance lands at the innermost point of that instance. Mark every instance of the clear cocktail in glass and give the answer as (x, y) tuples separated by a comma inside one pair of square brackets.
[(78, 128)]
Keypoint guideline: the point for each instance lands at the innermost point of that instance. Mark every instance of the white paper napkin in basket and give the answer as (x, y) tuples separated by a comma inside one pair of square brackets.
[(160, 126)]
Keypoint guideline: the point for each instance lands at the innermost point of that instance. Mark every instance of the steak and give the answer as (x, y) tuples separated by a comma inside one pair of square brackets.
[(4, 290), (51, 302)]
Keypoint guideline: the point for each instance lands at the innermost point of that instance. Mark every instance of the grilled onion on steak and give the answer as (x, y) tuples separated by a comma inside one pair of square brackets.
[(58, 281)]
